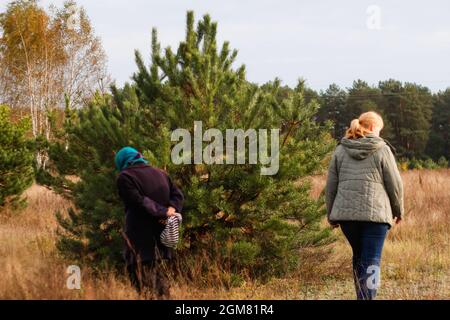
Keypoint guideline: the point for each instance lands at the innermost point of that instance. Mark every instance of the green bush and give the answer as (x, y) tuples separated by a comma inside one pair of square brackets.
[(427, 163), (16, 159), (442, 162), (415, 164)]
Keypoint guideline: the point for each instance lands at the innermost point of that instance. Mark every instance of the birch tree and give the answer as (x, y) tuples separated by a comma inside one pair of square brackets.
[(45, 57), (32, 60), (85, 71)]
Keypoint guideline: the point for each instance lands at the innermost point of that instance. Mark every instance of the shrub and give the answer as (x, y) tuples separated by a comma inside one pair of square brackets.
[(16, 158)]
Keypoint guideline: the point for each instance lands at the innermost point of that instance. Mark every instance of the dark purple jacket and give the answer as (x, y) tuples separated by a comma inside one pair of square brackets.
[(146, 192)]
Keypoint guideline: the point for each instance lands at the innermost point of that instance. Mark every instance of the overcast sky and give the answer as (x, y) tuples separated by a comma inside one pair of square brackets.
[(321, 41)]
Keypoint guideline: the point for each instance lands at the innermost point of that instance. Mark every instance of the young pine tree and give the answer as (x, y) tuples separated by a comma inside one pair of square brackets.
[(255, 223)]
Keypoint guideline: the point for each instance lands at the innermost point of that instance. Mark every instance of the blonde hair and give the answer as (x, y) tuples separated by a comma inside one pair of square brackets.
[(360, 127)]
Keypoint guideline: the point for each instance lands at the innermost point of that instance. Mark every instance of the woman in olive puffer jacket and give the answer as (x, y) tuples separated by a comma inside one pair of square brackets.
[(364, 196)]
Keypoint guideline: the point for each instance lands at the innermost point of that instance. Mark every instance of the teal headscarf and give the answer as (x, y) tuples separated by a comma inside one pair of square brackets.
[(128, 156)]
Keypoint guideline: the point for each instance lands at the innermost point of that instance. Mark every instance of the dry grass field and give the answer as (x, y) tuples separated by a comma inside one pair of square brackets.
[(416, 259)]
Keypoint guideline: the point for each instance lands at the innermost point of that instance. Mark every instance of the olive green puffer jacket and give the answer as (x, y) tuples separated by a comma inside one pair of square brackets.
[(363, 182)]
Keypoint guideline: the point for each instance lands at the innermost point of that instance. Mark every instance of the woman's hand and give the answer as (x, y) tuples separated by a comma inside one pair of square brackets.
[(171, 211), (398, 220)]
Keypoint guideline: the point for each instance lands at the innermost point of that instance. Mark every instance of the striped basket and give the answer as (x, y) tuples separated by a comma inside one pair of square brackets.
[(171, 233)]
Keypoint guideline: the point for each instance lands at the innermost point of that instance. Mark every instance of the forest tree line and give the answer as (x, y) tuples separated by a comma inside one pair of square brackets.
[(417, 121)]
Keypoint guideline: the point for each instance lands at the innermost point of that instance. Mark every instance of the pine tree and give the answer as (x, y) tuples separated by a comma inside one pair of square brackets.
[(333, 106), (256, 223), (362, 98), (408, 108), (16, 158), (439, 142)]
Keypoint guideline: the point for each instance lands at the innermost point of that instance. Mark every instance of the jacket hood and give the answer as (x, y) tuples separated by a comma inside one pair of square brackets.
[(363, 147)]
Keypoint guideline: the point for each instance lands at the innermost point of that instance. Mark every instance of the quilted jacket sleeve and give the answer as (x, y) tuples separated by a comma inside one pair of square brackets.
[(332, 184), (393, 182)]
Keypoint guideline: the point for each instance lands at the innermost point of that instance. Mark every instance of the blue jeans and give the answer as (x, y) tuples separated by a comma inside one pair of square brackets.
[(366, 240)]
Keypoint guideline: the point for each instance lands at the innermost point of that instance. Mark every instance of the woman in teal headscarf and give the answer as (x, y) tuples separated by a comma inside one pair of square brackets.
[(150, 197), (128, 156)]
